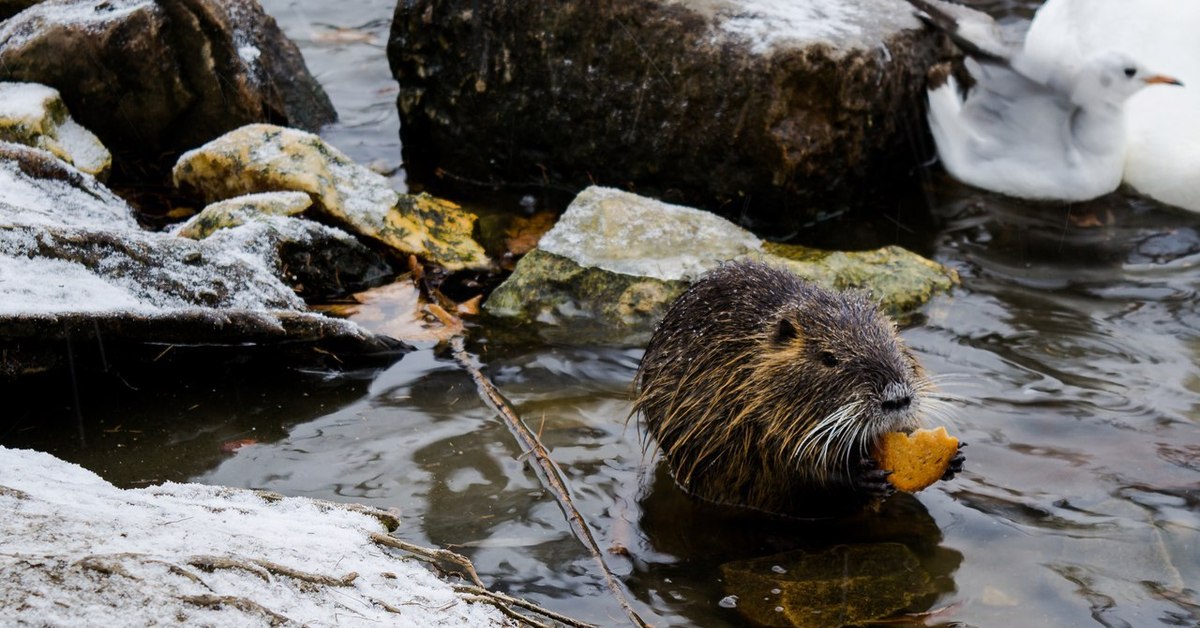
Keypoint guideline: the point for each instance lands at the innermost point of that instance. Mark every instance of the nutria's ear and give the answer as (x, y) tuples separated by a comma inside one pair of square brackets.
[(785, 331)]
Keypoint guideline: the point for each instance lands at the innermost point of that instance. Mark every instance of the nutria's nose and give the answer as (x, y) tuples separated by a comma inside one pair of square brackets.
[(897, 403)]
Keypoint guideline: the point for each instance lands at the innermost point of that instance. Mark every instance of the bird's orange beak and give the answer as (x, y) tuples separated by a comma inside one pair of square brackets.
[(1162, 79)]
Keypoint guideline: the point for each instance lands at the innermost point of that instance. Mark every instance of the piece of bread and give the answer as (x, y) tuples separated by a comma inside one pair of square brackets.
[(916, 460)]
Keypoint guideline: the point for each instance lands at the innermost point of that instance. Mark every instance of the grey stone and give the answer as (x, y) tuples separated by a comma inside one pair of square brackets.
[(615, 261)]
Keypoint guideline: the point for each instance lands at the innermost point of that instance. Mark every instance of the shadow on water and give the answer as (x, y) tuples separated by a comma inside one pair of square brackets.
[(141, 414)]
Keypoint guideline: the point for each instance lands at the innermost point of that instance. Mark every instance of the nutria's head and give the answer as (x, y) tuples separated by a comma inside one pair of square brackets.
[(846, 376), (759, 386)]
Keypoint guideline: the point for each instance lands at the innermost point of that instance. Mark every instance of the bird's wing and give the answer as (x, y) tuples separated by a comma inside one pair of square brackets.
[(1019, 101), (974, 32), (1011, 113)]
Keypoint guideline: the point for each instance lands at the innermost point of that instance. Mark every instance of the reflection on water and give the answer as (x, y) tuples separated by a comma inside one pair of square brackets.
[(1074, 337)]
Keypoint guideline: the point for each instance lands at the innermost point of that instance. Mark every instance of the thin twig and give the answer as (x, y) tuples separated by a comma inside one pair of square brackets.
[(507, 610), (430, 554), (240, 603), (436, 556), (516, 601), (545, 468)]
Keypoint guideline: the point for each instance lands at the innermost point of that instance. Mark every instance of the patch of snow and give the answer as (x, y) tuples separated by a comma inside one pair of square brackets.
[(633, 235), (86, 151), (249, 54), (767, 24), (160, 273), (25, 200), (74, 550), (20, 102), (52, 285)]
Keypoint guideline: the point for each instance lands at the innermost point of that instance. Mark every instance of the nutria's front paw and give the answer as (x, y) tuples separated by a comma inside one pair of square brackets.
[(872, 480), (956, 463)]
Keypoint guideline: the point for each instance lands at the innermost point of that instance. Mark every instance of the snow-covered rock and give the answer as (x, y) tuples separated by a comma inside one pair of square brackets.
[(35, 115), (75, 551), (75, 264)]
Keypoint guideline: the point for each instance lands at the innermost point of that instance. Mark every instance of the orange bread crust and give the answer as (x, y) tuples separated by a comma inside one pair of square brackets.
[(916, 460)]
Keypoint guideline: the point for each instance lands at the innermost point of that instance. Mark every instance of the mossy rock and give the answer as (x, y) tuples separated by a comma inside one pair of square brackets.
[(553, 289), (242, 209), (266, 158), (901, 280)]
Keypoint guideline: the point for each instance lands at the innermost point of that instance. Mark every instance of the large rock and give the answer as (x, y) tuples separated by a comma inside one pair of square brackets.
[(157, 77), (616, 261), (755, 108), (77, 551), (264, 158)]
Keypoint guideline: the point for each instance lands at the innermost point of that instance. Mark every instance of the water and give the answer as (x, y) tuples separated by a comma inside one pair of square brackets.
[(1074, 339)]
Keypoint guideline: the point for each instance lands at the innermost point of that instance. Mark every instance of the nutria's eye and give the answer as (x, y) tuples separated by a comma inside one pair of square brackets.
[(786, 332), (828, 359), (1129, 72)]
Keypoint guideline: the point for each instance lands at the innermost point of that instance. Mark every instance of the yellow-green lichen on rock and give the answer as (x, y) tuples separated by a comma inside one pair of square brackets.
[(900, 279), (35, 115), (553, 289), (268, 158), (242, 209)]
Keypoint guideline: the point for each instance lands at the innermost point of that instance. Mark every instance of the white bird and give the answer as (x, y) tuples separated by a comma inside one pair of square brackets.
[(1163, 125), (1031, 127)]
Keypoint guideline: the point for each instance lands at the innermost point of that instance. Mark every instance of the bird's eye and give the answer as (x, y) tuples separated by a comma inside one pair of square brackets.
[(828, 359), (1129, 72)]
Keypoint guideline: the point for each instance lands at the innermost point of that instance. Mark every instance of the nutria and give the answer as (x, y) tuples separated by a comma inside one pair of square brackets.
[(766, 391)]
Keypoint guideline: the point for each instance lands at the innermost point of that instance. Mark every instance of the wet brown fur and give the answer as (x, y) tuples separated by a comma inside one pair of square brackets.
[(740, 379)]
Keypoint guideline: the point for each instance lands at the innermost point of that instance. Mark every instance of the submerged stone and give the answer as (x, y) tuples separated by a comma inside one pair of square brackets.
[(753, 108), (844, 585), (262, 158), (618, 260), (35, 115)]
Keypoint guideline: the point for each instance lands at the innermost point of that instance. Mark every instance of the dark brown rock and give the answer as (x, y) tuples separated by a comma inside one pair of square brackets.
[(153, 78), (717, 104)]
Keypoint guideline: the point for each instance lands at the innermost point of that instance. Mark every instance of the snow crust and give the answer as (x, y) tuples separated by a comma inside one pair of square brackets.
[(77, 199), (68, 244), (75, 551), (25, 101), (767, 24)]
